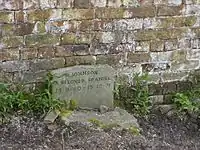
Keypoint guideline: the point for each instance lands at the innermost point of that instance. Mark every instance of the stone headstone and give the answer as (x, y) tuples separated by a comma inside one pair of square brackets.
[(91, 86)]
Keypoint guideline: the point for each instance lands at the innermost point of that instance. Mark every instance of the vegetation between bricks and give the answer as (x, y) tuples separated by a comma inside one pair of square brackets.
[(133, 97), (187, 102)]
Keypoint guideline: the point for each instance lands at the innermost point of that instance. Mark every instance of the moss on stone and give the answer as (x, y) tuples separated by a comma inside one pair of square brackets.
[(6, 16), (96, 122), (65, 114), (102, 125), (179, 56), (177, 21), (110, 13), (39, 15), (80, 60), (145, 35), (109, 126), (134, 130), (42, 39), (7, 29), (69, 38), (40, 26), (72, 38), (78, 14), (12, 41), (109, 59), (190, 21)]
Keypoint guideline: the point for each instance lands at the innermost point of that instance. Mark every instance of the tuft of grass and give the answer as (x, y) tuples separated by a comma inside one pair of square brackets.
[(73, 105), (37, 103), (102, 125), (96, 122), (134, 130), (109, 126)]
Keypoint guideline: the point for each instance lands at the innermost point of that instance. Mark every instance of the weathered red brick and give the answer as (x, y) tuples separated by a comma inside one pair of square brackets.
[(109, 13), (6, 77), (11, 4), (46, 52), (14, 66), (169, 87), (30, 77), (169, 10), (9, 54), (11, 41), (112, 59), (46, 64), (157, 46), (82, 4), (73, 38), (196, 31), (78, 14), (23, 29), (138, 57), (6, 16), (39, 15), (145, 11), (85, 25), (19, 16), (42, 39), (28, 53), (103, 25), (80, 60)]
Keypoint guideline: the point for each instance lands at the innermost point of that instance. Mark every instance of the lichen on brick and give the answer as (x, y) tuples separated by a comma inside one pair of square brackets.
[(131, 3), (42, 39), (39, 27), (39, 15), (109, 13), (171, 22), (6, 16), (11, 41), (80, 60), (75, 38), (77, 14)]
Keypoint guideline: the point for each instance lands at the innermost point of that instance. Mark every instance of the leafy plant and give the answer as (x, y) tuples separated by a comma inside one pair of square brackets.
[(188, 101), (38, 103), (183, 103), (135, 97)]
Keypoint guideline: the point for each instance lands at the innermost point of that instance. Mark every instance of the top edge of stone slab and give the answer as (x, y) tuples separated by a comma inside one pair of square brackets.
[(72, 68)]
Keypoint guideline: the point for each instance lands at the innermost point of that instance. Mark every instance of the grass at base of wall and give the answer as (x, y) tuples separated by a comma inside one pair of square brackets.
[(134, 97), (38, 103), (187, 102)]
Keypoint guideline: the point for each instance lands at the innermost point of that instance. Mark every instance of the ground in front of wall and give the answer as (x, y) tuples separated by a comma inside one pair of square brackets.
[(158, 132)]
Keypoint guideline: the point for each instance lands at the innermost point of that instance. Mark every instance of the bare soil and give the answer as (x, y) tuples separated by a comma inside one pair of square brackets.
[(158, 133)]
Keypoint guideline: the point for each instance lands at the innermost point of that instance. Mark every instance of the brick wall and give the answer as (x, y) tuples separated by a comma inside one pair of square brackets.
[(161, 37)]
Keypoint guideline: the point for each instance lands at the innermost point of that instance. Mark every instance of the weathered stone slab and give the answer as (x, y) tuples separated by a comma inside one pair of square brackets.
[(117, 117), (91, 86)]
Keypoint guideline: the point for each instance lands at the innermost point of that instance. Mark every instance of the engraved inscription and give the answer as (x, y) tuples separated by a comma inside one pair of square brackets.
[(73, 85), (91, 86), (82, 73)]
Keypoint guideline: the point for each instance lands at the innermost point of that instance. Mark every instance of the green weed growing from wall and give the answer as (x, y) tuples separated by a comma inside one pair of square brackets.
[(134, 97), (187, 102)]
